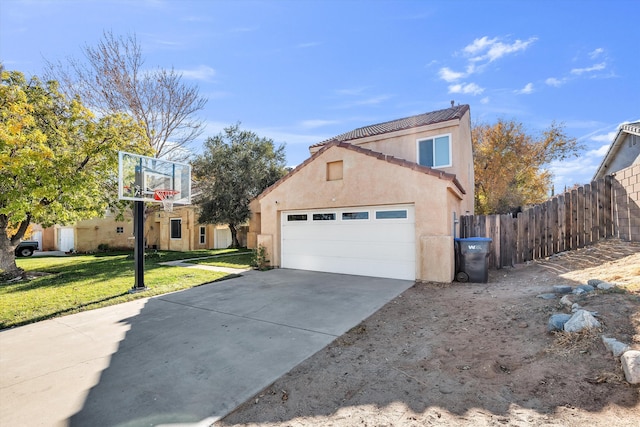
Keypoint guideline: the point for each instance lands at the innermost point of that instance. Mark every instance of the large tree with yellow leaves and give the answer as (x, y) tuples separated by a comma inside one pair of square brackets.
[(511, 165), (58, 161)]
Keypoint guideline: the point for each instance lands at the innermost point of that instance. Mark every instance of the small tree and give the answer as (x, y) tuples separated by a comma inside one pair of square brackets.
[(112, 79), (235, 167), (509, 164), (58, 160)]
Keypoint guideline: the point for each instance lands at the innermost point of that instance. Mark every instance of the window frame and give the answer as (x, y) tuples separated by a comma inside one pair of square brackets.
[(203, 235), (391, 211), (433, 138), (171, 229), (358, 215), (119, 230), (323, 216)]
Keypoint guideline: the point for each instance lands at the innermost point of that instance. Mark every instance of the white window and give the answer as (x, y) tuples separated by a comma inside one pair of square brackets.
[(203, 235), (347, 216), (435, 152), (119, 230), (176, 228), (324, 217), (399, 214)]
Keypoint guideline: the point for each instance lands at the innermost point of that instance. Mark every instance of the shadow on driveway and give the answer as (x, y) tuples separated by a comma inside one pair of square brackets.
[(193, 356)]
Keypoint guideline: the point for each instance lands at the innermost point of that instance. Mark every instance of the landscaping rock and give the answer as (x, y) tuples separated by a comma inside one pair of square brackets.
[(562, 289), (631, 366), (580, 320), (575, 307), (566, 301), (614, 346), (594, 282), (547, 296), (604, 286), (586, 288), (557, 321)]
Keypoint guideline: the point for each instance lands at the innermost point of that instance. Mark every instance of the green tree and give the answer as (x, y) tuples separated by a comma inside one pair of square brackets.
[(510, 164), (58, 160), (235, 167)]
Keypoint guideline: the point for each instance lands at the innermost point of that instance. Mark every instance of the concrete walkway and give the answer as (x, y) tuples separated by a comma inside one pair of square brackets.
[(186, 264), (186, 358)]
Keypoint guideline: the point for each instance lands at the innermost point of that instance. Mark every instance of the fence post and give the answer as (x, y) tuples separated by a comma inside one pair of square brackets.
[(553, 248), (588, 217), (608, 207), (595, 211)]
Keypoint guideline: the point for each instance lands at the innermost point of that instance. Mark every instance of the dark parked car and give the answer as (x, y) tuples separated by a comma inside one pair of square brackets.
[(26, 248)]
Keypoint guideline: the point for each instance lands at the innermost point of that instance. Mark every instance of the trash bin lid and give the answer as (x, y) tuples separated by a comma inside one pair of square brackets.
[(473, 239)]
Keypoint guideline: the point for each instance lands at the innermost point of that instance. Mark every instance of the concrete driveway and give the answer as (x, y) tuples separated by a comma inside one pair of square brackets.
[(187, 358)]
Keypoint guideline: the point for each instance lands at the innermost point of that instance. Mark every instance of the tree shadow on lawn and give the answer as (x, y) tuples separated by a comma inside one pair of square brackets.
[(61, 275)]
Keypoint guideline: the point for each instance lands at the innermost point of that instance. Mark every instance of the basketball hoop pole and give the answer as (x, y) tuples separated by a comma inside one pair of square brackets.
[(138, 231)]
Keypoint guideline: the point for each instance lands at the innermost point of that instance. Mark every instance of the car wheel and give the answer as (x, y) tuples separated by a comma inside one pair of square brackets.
[(26, 252)]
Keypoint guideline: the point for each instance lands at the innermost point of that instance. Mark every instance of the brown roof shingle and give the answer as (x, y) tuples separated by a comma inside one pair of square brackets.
[(400, 124)]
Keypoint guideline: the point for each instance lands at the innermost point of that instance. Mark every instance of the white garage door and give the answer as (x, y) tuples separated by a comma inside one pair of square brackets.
[(368, 241)]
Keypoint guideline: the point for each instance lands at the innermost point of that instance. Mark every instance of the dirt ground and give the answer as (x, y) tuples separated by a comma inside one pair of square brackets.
[(474, 355)]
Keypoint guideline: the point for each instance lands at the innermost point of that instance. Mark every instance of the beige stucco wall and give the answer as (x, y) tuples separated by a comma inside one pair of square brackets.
[(158, 226), (90, 233), (404, 145), (366, 181)]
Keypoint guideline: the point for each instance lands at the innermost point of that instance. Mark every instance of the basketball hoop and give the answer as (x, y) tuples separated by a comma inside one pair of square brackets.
[(166, 197)]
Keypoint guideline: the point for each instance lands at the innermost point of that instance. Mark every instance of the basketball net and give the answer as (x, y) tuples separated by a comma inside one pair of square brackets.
[(166, 197)]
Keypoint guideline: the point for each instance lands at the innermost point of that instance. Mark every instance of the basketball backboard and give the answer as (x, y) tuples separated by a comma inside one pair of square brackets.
[(147, 179)]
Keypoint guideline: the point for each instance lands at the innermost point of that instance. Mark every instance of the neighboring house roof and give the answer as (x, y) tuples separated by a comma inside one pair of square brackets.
[(616, 145), (425, 119), (380, 156)]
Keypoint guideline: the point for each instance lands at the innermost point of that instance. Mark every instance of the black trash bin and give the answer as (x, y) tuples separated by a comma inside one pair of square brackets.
[(472, 256)]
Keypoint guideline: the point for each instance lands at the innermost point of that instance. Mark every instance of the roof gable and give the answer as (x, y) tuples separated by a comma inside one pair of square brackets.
[(616, 147), (453, 113), (380, 156)]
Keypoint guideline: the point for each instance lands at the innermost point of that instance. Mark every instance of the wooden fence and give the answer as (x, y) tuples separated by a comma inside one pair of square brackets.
[(572, 220)]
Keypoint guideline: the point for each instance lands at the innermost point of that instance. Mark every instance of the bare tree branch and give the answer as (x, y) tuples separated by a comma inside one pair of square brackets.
[(111, 78)]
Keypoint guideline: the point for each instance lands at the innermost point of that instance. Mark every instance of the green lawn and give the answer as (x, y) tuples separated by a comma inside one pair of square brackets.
[(84, 282), (239, 260)]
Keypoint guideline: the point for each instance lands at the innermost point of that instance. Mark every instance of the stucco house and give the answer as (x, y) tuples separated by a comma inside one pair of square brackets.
[(623, 152), (380, 200), (622, 162), (176, 231)]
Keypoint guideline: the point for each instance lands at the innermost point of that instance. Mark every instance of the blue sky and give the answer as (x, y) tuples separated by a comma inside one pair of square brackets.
[(302, 71)]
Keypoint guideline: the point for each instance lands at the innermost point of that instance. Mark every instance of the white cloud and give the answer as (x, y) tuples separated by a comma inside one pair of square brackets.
[(312, 124), (449, 75), (485, 100), (600, 152), (479, 45), (552, 81), (525, 90), (481, 52), (469, 88), (595, 67), (607, 137), (597, 52), (202, 72), (493, 49)]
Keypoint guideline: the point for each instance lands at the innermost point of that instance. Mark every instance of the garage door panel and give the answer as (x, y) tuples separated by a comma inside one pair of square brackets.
[(371, 250), (372, 247), (362, 267), (352, 233)]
